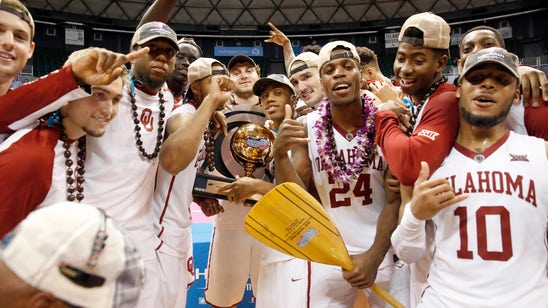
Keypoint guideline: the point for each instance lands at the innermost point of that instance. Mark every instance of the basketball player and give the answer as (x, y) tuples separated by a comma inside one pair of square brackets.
[(129, 149), (183, 151), (189, 51), (282, 278), (80, 258), (302, 70), (86, 67), (341, 135), (371, 71), (473, 40), (305, 78), (524, 117), (17, 40), (44, 164), (234, 255), (177, 83), (488, 201)]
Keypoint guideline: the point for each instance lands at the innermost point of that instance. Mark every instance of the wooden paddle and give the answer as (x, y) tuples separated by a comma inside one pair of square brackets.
[(290, 220)]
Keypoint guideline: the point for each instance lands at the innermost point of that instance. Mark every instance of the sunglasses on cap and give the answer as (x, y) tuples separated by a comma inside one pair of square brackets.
[(155, 51)]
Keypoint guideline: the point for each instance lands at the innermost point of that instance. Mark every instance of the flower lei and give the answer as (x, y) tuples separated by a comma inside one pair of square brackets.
[(337, 170)]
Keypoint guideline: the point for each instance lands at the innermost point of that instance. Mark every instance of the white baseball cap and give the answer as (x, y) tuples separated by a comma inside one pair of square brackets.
[(436, 32), (308, 59), (77, 253), (202, 68), (326, 56)]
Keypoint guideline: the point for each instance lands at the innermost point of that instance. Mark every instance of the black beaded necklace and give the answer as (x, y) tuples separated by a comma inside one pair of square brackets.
[(210, 146), (75, 188), (417, 110), (161, 122), (209, 142)]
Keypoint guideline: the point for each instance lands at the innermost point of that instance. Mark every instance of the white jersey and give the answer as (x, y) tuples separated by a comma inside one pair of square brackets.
[(172, 200), (355, 206), (118, 179), (490, 248), (515, 120)]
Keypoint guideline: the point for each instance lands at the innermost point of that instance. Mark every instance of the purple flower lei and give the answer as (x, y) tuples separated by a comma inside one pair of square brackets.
[(330, 161)]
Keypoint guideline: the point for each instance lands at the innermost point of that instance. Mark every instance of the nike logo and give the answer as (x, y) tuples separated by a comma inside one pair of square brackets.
[(295, 279)]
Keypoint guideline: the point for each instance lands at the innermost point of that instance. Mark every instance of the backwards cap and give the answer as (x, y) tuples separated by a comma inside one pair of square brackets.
[(202, 68), (278, 79), (310, 59), (495, 55), (18, 9), (325, 53), (436, 33), (153, 30), (190, 41), (78, 254)]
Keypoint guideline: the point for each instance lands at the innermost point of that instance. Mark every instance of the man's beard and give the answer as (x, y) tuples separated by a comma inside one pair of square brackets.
[(482, 121), (246, 93), (152, 83)]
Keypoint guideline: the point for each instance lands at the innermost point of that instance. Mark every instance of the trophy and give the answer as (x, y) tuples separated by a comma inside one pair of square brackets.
[(244, 151), (252, 146)]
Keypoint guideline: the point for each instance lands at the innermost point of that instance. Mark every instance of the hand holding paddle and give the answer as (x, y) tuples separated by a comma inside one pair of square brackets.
[(290, 220)]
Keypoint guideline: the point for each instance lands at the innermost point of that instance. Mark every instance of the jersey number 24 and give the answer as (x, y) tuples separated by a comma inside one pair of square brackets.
[(362, 189)]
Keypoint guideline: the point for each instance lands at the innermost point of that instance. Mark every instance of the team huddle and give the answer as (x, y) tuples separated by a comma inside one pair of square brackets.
[(438, 190)]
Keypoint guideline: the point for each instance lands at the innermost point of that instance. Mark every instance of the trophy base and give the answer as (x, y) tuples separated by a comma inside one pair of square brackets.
[(206, 185)]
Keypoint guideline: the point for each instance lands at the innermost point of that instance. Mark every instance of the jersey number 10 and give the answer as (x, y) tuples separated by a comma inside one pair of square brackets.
[(481, 231)]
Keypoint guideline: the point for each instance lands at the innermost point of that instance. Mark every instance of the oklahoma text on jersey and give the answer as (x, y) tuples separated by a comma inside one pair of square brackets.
[(497, 182), (375, 162)]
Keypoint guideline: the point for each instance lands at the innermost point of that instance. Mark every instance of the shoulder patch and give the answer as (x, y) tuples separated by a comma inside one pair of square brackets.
[(428, 134)]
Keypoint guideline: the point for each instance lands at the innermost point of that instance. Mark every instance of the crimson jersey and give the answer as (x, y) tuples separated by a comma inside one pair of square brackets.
[(23, 106), (32, 165), (436, 127), (33, 173), (490, 248), (535, 120)]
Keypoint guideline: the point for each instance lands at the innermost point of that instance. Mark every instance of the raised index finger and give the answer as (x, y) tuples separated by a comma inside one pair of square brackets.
[(271, 25), (136, 54)]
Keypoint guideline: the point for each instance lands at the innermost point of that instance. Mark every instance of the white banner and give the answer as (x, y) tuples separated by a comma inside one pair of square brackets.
[(506, 32), (74, 37), (391, 40)]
